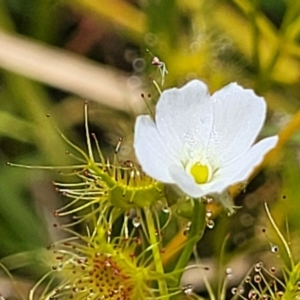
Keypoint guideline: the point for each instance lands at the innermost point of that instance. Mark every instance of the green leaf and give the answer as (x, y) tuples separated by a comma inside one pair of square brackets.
[(14, 127)]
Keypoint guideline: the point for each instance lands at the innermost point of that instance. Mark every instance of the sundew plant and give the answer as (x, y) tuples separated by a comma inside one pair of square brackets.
[(149, 150)]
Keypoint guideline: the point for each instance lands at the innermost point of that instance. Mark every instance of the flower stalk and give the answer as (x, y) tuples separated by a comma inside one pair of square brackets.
[(198, 224)]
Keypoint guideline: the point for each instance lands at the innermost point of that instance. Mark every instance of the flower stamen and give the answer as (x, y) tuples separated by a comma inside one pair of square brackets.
[(200, 173)]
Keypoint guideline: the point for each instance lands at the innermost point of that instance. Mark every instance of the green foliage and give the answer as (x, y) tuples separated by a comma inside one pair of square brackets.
[(255, 43)]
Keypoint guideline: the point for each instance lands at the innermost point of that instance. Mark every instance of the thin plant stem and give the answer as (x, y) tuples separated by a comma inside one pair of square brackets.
[(163, 289), (194, 235), (280, 235)]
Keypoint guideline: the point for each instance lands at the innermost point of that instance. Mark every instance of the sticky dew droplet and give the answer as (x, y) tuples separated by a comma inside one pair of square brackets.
[(274, 249), (208, 200), (210, 224), (228, 272), (187, 228), (136, 222), (280, 294), (258, 266), (252, 294), (166, 209), (257, 278), (248, 279), (188, 290), (209, 213)]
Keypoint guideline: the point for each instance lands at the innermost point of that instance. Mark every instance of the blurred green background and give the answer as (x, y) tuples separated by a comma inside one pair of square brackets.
[(56, 54)]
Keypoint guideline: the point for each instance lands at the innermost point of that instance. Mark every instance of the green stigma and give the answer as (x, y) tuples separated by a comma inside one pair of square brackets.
[(200, 173)]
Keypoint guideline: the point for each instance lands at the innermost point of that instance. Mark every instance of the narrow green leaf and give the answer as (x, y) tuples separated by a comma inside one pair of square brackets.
[(14, 127)]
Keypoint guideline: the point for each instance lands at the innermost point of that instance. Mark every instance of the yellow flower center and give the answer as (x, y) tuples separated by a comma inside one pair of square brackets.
[(200, 173)]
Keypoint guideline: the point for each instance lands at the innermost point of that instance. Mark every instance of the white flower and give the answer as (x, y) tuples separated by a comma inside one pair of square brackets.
[(203, 143)]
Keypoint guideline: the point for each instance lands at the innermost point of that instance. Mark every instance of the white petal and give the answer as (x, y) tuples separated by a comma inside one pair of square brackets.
[(239, 115), (150, 150), (184, 117), (241, 169)]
